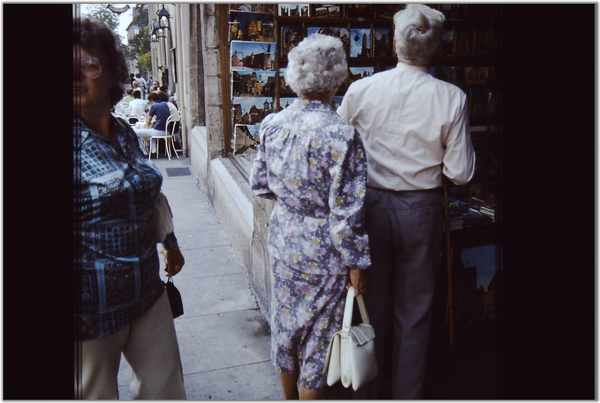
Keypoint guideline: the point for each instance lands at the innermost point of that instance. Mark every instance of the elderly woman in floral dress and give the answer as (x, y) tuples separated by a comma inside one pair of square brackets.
[(312, 162)]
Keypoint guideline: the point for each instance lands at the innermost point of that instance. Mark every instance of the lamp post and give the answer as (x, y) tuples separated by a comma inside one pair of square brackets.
[(163, 18), (164, 24), (152, 30)]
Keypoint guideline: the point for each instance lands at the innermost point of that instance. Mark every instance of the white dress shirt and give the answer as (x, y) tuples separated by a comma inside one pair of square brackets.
[(174, 112), (138, 106), (411, 124)]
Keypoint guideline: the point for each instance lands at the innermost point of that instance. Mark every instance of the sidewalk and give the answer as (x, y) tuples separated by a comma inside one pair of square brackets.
[(223, 338)]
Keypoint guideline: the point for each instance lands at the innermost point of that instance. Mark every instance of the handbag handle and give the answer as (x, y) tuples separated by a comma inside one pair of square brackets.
[(347, 321)]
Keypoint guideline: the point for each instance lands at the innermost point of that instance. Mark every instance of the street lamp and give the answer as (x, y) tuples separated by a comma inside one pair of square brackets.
[(160, 32), (163, 18), (152, 31)]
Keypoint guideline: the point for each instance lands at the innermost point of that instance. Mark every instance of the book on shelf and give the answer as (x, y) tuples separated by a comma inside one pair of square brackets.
[(475, 220), (485, 211), (456, 223)]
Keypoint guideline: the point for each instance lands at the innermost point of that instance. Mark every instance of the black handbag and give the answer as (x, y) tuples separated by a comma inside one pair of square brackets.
[(174, 298)]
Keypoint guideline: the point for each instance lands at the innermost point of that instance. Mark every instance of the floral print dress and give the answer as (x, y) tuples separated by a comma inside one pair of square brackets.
[(313, 163)]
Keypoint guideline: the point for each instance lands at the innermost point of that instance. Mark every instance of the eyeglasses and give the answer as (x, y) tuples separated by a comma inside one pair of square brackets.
[(91, 67)]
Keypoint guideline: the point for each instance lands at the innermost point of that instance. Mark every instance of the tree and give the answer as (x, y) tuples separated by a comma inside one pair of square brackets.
[(145, 61), (101, 12), (140, 43)]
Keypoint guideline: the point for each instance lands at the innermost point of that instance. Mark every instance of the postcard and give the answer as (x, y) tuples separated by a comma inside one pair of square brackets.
[(360, 42), (252, 55), (251, 110), (253, 83), (256, 27)]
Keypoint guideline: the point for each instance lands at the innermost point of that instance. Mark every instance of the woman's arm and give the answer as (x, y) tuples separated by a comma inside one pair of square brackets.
[(346, 201)]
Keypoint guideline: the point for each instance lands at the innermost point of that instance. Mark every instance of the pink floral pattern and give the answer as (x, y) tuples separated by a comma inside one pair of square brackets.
[(313, 163)]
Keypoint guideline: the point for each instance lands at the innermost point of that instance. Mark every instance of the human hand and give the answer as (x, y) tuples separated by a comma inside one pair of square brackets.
[(175, 261), (358, 280)]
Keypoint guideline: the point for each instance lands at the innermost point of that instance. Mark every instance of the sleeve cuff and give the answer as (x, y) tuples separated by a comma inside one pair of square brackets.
[(170, 241)]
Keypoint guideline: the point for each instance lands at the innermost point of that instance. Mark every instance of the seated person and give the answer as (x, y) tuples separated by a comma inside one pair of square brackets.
[(137, 105), (125, 101), (160, 110), (164, 97), (165, 89)]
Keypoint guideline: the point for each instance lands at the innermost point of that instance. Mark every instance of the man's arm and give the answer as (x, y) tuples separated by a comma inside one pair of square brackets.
[(149, 118)]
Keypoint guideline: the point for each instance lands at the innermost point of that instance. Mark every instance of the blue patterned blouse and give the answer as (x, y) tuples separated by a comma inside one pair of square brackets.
[(116, 258), (313, 163)]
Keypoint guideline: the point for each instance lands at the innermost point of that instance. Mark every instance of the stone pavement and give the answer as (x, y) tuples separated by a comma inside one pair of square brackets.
[(223, 338)]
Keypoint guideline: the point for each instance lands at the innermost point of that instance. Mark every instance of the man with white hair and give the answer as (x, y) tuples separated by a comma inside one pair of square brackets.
[(142, 83), (415, 129)]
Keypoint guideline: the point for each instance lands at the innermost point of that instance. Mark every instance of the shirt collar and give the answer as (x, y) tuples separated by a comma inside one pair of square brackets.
[(79, 126), (405, 66), (309, 104)]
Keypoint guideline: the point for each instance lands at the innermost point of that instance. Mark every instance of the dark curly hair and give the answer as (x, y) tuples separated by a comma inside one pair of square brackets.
[(162, 96), (92, 34)]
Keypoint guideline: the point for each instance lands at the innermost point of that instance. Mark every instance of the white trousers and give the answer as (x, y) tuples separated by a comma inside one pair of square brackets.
[(149, 345), (147, 133)]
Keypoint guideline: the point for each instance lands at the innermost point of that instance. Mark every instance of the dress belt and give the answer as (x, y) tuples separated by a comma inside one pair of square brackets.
[(304, 212)]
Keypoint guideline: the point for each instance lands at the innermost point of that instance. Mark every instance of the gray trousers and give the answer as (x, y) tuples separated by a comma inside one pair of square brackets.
[(405, 233)]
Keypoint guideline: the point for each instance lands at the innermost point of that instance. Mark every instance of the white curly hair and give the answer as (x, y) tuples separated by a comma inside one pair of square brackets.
[(317, 66), (418, 33)]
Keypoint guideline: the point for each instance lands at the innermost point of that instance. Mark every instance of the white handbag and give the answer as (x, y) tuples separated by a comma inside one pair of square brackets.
[(351, 353)]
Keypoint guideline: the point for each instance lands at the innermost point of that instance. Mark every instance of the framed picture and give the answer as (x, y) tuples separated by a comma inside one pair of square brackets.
[(451, 74), (327, 10), (252, 55), (336, 101), (253, 83), (291, 35), (483, 43), (382, 42), (257, 8), (251, 110), (388, 10), (285, 102), (256, 27), (360, 42), (447, 43), (480, 276), (494, 104), (338, 32), (476, 75), (479, 136), (244, 137), (464, 44), (356, 73), (284, 88), (294, 10), (478, 103), (360, 11)]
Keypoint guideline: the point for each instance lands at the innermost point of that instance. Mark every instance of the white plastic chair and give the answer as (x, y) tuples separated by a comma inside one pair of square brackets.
[(168, 138), (177, 133), (133, 118)]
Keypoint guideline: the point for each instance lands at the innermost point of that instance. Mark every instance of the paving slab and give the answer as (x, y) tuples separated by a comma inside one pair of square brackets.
[(223, 338), (208, 262), (188, 239), (215, 295), (197, 224), (244, 382)]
